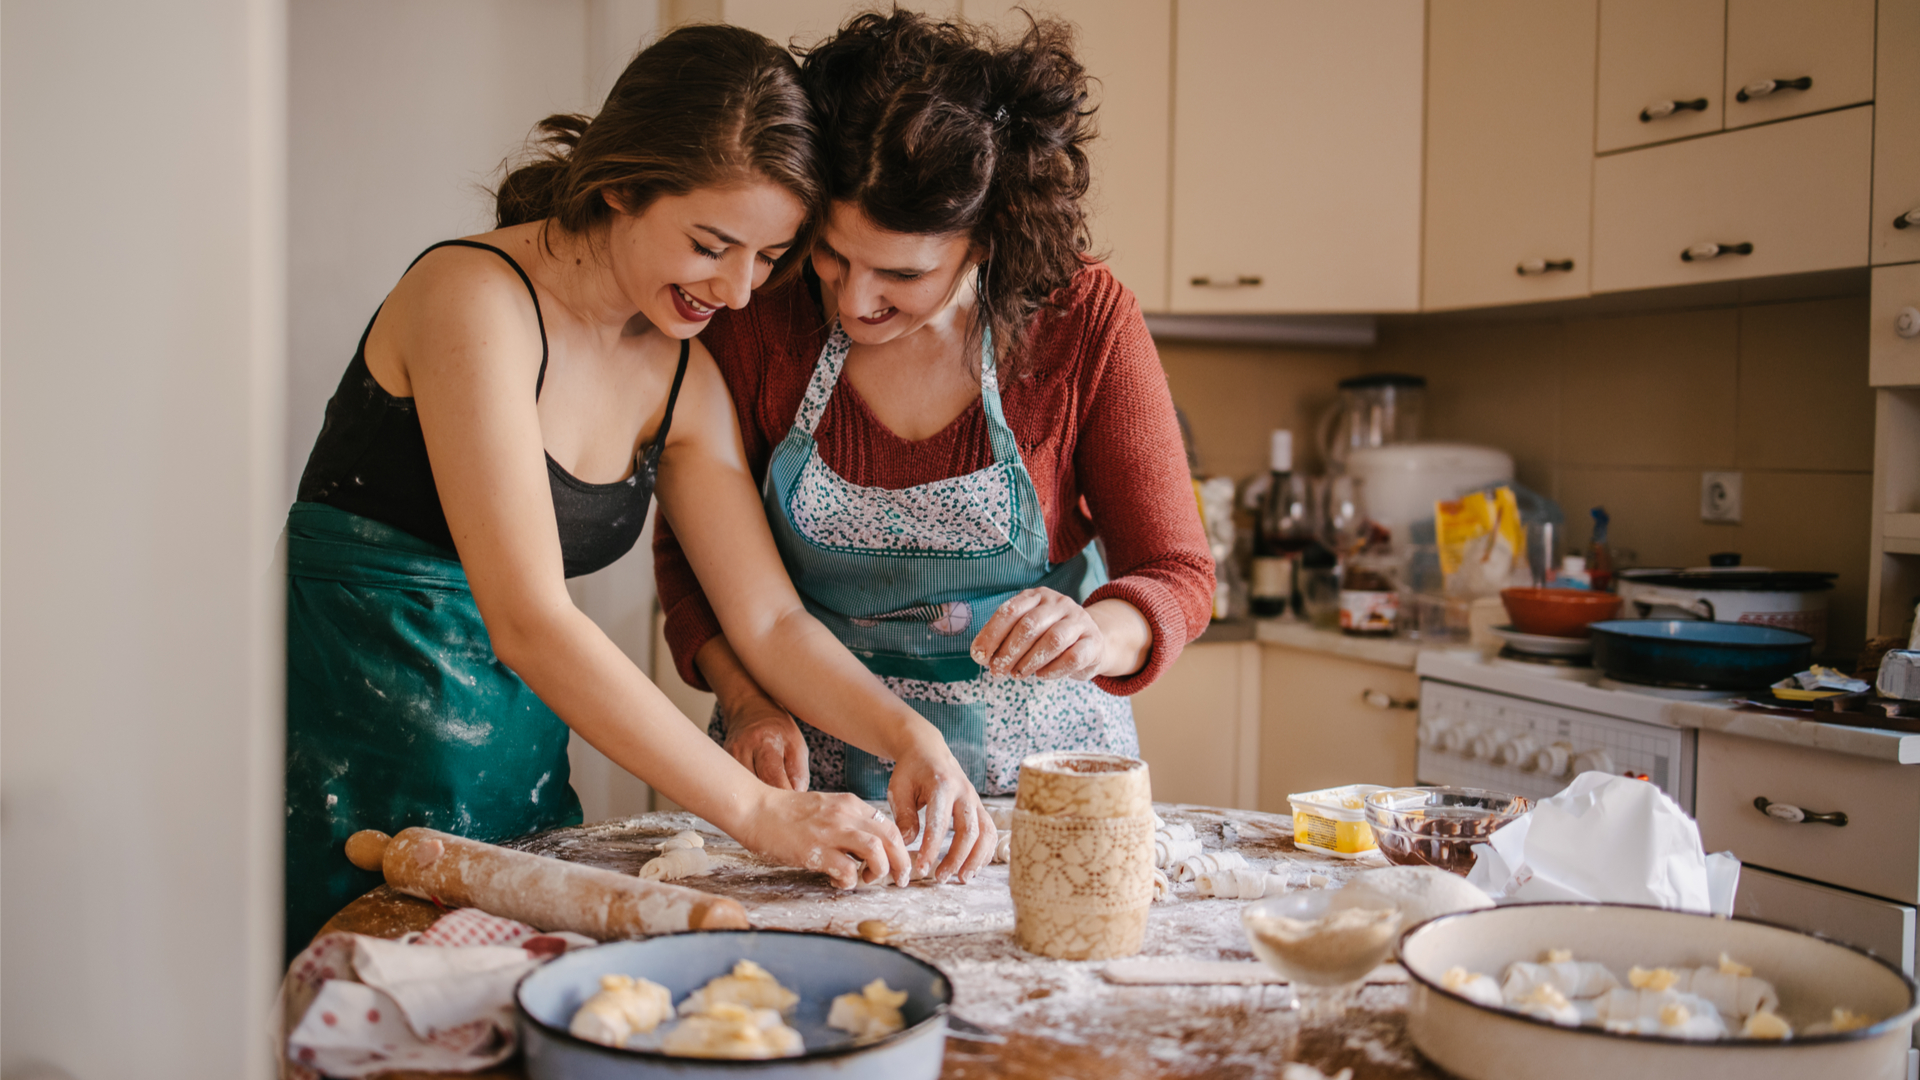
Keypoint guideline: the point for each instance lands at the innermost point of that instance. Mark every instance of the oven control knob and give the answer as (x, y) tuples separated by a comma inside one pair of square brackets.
[(1516, 751), (1430, 731), (1554, 760), (1480, 747), (1454, 739), (1593, 761)]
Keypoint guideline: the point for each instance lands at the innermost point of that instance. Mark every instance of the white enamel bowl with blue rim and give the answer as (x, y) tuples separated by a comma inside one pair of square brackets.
[(1811, 974), (818, 967)]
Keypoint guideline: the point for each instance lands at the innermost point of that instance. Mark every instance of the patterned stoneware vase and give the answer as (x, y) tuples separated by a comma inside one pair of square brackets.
[(1081, 865)]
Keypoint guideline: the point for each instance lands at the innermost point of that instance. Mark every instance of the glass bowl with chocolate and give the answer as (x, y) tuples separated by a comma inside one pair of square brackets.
[(1438, 826)]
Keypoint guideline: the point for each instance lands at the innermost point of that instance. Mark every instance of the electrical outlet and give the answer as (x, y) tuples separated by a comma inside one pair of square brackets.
[(1720, 497)]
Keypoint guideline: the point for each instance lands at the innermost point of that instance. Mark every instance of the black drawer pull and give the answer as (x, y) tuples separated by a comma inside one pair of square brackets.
[(1793, 815), (1767, 86), (1908, 220), (1542, 266), (1667, 108), (1703, 252), (1242, 281)]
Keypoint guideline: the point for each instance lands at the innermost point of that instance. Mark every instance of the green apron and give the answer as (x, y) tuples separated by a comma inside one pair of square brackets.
[(906, 578), (398, 713)]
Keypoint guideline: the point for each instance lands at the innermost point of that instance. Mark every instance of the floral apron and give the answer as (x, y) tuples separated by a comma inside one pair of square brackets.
[(905, 579)]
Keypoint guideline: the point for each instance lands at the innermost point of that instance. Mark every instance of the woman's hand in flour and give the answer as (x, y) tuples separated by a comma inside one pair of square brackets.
[(928, 780), (765, 738), (837, 835), (1044, 634)]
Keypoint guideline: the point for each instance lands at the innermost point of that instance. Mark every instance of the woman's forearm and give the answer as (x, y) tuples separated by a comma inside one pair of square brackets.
[(800, 664), (1127, 634)]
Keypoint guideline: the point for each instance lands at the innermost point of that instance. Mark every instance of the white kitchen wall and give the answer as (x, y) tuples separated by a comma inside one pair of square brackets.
[(401, 113), (142, 339)]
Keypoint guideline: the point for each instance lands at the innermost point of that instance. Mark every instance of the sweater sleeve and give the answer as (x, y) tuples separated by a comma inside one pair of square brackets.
[(1132, 471)]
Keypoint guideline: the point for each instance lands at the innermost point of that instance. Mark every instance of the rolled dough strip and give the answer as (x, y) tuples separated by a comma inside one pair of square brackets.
[(547, 894)]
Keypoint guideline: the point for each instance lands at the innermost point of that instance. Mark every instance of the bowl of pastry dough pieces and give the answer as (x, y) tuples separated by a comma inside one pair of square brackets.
[(1576, 991), (769, 1004)]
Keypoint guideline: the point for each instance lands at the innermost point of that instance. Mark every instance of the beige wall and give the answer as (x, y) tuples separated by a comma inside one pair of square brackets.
[(1624, 411)]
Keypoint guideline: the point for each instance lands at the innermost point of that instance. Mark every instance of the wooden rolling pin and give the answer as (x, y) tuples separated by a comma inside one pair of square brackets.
[(546, 894)]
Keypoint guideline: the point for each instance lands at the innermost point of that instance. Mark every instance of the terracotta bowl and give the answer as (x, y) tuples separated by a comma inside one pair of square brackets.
[(1558, 612)]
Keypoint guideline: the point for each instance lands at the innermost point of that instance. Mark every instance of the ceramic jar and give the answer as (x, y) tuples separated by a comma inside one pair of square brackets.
[(1081, 865)]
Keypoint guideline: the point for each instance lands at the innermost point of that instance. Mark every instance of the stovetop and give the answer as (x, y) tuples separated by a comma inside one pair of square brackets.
[(1577, 687)]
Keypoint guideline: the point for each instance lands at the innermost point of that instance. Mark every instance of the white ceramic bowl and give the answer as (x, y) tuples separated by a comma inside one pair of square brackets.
[(1811, 974)]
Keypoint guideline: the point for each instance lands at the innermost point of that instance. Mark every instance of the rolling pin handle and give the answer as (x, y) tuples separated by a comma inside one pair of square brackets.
[(367, 848)]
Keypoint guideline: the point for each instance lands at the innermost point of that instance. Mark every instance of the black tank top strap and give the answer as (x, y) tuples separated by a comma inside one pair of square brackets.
[(673, 395), (539, 317)]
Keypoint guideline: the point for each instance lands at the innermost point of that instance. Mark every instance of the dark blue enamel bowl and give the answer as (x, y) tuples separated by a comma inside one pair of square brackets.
[(1698, 655)]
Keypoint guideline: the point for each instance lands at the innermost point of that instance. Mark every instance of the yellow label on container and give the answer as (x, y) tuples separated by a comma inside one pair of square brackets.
[(1346, 837)]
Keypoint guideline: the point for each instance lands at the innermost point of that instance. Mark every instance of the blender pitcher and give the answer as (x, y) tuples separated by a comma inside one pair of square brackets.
[(1372, 410)]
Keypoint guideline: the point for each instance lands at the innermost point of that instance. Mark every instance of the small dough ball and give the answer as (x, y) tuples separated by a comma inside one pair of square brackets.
[(732, 1031), (873, 1013), (749, 986), (1419, 892), (624, 1006)]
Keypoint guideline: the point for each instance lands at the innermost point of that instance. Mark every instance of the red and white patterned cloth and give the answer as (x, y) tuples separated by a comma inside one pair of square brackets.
[(441, 1000)]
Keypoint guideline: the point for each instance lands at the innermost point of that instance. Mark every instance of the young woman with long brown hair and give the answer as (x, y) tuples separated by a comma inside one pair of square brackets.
[(945, 413), (513, 407)]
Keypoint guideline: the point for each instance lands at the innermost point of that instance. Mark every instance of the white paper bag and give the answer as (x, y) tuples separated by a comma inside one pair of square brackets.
[(1610, 839)]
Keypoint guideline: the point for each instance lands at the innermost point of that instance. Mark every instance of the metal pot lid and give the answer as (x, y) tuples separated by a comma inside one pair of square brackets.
[(1753, 580)]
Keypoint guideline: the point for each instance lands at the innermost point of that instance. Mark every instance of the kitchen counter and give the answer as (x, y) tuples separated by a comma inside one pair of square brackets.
[(1293, 634), (1058, 1018)]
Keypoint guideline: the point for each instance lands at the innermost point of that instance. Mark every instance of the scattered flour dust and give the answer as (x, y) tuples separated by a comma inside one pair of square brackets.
[(966, 930)]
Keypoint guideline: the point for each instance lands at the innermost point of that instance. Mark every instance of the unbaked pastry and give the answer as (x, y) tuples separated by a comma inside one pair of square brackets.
[(1162, 888), (749, 986), (1649, 1011), (727, 1030), (677, 863), (1548, 1003), (1211, 862), (873, 1013), (623, 1007), (1241, 884), (1473, 986), (1733, 988), (1766, 1025), (1573, 978)]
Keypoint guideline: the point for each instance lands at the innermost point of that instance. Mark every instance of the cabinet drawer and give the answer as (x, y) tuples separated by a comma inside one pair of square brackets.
[(1798, 192), (1877, 851), (1893, 360), (1829, 42), (1654, 51), (1880, 927)]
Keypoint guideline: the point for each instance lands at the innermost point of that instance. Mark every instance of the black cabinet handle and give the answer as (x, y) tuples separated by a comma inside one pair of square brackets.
[(1667, 108), (1908, 220), (1793, 815), (1767, 86), (1703, 252), (1243, 281), (1542, 266)]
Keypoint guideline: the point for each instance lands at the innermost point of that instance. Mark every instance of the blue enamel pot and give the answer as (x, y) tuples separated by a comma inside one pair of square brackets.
[(1698, 655)]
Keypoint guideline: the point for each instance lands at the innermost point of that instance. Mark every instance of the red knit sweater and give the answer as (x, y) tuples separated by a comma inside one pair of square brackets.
[(1093, 419)]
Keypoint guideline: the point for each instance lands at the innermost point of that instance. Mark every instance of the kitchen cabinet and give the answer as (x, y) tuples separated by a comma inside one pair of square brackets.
[(1662, 64), (1509, 186), (1874, 848), (1896, 135), (1126, 45), (1329, 720), (1772, 45), (1199, 726), (1776, 199), (1297, 131)]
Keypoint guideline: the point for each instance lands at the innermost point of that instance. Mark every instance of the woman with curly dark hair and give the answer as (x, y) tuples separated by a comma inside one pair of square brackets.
[(945, 412), (512, 409)]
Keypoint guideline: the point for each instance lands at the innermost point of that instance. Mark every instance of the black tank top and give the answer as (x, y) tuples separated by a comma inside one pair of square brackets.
[(371, 460)]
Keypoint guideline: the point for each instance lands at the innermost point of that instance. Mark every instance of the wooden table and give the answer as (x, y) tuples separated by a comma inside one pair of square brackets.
[(1059, 1018)]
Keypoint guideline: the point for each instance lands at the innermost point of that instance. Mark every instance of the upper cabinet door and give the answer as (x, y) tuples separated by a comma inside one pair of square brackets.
[(806, 23), (1793, 57), (1509, 151), (1662, 67), (1127, 46), (1296, 161), (1776, 199), (1896, 135)]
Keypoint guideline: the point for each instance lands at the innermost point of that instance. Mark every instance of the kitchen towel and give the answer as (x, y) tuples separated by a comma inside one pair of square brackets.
[(1607, 839), (438, 1001)]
